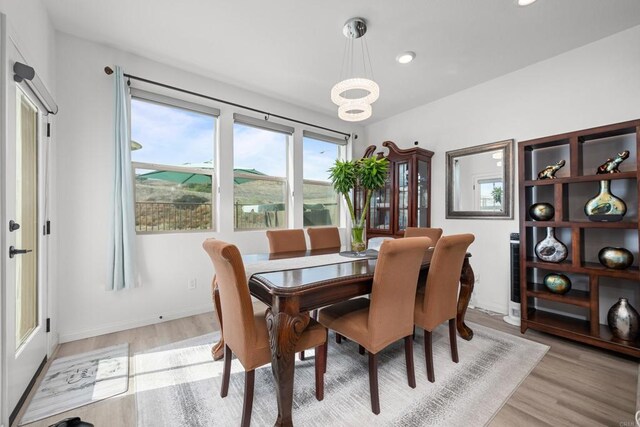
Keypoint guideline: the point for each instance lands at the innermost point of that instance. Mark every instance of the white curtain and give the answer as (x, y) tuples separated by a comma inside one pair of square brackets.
[(122, 248)]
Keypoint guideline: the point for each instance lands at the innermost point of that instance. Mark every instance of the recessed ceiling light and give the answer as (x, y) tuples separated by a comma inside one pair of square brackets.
[(405, 57), (525, 2)]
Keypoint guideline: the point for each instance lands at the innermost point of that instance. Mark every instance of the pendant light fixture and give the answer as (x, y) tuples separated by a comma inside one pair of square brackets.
[(356, 91)]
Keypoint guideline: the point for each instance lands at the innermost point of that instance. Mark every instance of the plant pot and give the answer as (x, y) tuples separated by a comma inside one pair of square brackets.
[(358, 239)]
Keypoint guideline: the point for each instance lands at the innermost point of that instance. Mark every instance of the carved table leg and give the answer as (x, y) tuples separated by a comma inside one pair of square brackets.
[(285, 328), (467, 280), (217, 351)]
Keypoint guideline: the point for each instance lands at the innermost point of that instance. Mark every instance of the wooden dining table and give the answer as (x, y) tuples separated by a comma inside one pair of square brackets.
[(292, 293)]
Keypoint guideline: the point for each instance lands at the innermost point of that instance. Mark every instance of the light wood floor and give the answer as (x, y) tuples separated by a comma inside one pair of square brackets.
[(572, 385)]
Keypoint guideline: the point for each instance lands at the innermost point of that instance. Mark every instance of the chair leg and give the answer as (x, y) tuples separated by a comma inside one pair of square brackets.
[(247, 407), (321, 366), (453, 338), (338, 338), (408, 355), (428, 355), (302, 355), (360, 349), (414, 332), (373, 383), (326, 352), (226, 371)]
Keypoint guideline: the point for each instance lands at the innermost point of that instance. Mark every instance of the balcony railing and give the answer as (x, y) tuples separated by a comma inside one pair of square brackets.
[(173, 216)]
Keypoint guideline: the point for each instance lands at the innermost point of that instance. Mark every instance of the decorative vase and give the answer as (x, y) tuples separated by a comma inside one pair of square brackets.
[(358, 239), (605, 206), (541, 211), (551, 249), (557, 283), (623, 320), (616, 258)]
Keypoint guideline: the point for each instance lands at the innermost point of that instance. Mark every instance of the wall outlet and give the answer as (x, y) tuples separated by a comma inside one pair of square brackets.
[(192, 283)]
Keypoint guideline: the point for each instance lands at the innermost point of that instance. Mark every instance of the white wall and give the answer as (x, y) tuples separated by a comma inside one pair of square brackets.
[(166, 261), (593, 85)]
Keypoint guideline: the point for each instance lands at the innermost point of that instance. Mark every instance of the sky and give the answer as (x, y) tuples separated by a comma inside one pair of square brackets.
[(173, 136)]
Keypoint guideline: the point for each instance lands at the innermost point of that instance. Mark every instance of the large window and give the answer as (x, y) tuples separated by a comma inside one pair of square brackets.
[(259, 174), (320, 199), (172, 152)]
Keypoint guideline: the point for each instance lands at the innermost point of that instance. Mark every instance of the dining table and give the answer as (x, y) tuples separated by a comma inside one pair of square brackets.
[(292, 289)]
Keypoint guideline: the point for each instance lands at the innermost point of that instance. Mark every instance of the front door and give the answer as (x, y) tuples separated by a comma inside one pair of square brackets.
[(25, 303)]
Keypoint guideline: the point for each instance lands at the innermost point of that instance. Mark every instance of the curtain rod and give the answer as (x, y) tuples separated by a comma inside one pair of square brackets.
[(108, 70)]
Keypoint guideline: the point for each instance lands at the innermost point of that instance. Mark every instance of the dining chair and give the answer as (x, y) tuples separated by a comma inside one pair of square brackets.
[(437, 302), (245, 331), (433, 233), (387, 316), (286, 241), (324, 238)]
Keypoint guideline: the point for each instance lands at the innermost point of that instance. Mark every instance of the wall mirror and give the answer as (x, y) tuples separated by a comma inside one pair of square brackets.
[(480, 181)]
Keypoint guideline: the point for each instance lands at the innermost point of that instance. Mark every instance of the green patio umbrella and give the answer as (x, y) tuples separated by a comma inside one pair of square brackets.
[(194, 178)]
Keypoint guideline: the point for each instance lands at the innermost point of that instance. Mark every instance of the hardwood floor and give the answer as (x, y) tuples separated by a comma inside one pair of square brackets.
[(572, 385)]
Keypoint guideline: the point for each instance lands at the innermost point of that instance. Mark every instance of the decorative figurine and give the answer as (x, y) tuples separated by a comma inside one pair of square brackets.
[(611, 166), (623, 320), (550, 171), (551, 249), (557, 283), (605, 206), (541, 211), (616, 258)]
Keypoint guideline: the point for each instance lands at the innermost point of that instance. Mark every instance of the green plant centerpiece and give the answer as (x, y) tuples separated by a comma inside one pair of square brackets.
[(368, 174)]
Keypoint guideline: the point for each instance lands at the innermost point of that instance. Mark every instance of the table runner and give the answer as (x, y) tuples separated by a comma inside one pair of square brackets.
[(294, 263)]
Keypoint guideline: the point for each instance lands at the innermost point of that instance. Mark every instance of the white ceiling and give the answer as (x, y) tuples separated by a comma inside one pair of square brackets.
[(292, 49)]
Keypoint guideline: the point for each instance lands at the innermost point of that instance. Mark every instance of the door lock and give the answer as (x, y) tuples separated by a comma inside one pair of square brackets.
[(13, 251), (13, 226)]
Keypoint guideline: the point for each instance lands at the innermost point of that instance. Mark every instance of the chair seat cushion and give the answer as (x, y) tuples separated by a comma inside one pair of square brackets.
[(350, 319), (314, 335)]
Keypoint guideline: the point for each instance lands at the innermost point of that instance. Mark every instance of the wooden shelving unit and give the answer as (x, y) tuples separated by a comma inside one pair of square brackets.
[(580, 148)]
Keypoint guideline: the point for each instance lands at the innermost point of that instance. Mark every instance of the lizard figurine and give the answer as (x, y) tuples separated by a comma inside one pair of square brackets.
[(550, 171), (611, 166)]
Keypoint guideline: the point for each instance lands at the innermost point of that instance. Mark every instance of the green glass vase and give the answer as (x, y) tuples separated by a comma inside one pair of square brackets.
[(358, 239)]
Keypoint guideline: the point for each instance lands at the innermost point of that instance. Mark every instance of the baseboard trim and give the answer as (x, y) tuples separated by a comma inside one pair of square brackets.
[(502, 309), (130, 324)]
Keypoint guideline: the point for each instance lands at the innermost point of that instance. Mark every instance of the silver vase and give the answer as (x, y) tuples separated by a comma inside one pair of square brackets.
[(551, 249), (623, 320)]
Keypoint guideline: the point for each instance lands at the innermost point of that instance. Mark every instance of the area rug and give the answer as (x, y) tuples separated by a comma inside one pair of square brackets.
[(78, 380), (179, 384)]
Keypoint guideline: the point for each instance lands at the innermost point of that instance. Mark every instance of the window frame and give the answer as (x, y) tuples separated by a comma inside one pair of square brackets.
[(162, 100), (247, 121)]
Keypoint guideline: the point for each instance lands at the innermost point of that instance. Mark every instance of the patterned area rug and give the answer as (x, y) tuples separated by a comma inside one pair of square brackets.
[(78, 380), (180, 384)]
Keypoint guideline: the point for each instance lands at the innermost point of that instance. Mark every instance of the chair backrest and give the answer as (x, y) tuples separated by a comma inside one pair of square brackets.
[(433, 233), (286, 241), (324, 237), (235, 299), (441, 292), (393, 293)]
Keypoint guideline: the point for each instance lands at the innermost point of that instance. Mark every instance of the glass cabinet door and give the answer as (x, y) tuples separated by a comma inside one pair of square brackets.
[(380, 208), (423, 194), (402, 184)]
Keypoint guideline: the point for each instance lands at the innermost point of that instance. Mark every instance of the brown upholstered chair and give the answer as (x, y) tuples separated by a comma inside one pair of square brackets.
[(245, 328), (324, 238), (388, 316), (433, 233), (286, 241), (437, 301)]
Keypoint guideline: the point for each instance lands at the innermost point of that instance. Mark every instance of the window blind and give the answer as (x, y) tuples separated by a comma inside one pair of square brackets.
[(325, 138), (173, 102), (262, 124)]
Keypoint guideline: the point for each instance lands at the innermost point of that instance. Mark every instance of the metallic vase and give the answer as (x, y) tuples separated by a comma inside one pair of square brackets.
[(541, 211), (623, 320), (605, 206), (616, 258), (557, 283), (551, 249)]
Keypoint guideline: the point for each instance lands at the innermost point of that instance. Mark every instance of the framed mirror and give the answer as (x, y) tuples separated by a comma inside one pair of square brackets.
[(480, 181)]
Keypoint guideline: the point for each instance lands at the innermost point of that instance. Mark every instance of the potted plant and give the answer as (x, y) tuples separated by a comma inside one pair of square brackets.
[(368, 174)]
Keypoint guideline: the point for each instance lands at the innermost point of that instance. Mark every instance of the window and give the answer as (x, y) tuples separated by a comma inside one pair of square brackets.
[(259, 173), (320, 200), (490, 191), (172, 152)]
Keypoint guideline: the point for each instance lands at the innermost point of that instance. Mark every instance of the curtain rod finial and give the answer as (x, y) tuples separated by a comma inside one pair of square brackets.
[(108, 70)]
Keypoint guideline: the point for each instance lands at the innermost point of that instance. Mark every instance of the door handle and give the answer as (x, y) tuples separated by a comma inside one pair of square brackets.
[(13, 226), (13, 251)]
